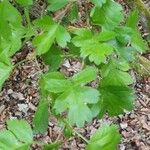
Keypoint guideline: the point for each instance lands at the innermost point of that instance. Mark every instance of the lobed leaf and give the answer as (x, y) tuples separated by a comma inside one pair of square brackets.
[(51, 31), (73, 96), (108, 16), (116, 96), (91, 46)]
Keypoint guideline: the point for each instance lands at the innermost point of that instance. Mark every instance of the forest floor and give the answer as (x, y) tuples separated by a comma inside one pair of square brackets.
[(19, 99)]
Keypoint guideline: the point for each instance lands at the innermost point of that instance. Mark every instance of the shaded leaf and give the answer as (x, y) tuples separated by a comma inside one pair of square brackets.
[(53, 58), (40, 121)]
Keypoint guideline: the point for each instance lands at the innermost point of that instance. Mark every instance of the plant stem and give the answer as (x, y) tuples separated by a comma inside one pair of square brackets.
[(82, 137), (75, 132)]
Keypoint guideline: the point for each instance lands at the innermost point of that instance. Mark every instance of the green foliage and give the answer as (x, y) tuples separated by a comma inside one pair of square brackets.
[(137, 42), (98, 3), (106, 46), (21, 129), (55, 82), (40, 121), (116, 96), (53, 58), (51, 31), (105, 138), (4, 73), (25, 2), (18, 136), (56, 4), (73, 14), (11, 34), (92, 46), (53, 146), (108, 16)]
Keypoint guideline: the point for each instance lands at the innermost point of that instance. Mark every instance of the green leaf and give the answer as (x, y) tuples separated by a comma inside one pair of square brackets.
[(55, 5), (97, 53), (55, 82), (52, 31), (14, 18), (7, 140), (105, 138), (53, 58), (73, 96), (21, 129), (124, 35), (77, 105), (23, 147), (137, 41), (53, 146), (73, 14), (116, 96), (115, 99), (85, 76), (40, 121), (133, 19), (44, 41), (5, 71), (123, 52), (106, 36), (25, 2), (62, 36), (91, 47), (98, 3), (11, 28), (114, 74), (108, 16)]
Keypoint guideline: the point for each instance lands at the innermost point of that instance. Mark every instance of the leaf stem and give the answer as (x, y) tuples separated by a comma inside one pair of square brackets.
[(76, 132), (81, 136)]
